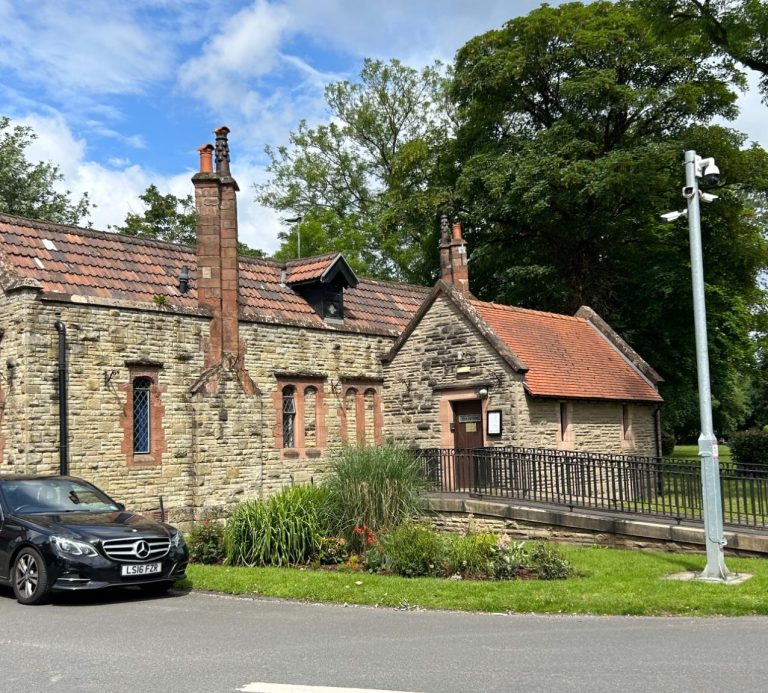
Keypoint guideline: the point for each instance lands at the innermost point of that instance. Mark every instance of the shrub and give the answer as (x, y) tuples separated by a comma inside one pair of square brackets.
[(749, 451), (471, 555), (374, 487), (668, 443), (413, 550), (205, 542), (286, 529), (547, 563), (486, 556)]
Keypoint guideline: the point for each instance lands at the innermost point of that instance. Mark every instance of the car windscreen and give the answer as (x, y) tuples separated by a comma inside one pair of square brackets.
[(54, 496)]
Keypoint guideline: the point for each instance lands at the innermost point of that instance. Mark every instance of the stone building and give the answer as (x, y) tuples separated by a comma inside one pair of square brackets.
[(207, 378)]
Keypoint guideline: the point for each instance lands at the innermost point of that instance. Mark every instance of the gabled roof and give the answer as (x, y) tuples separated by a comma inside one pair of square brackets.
[(559, 356), (567, 356), (65, 261), (321, 269)]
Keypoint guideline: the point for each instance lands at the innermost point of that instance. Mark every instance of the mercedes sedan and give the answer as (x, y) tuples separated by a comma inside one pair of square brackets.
[(63, 534)]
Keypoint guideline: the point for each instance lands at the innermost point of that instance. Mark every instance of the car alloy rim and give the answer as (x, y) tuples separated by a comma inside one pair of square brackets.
[(26, 575)]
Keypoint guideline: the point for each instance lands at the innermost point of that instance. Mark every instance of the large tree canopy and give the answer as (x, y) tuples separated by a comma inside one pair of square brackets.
[(738, 28), (366, 182), (574, 121), (30, 190)]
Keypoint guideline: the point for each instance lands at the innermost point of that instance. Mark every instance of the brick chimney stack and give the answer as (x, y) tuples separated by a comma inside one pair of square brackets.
[(217, 269), (453, 256)]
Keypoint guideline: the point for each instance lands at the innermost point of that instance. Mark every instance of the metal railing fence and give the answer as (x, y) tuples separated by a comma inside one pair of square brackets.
[(619, 483)]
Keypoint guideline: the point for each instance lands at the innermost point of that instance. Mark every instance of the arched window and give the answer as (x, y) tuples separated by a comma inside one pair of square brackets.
[(350, 405), (310, 417), (141, 415), (289, 416)]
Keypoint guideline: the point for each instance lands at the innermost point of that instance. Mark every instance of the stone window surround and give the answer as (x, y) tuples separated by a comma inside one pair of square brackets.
[(156, 434), (627, 427), (362, 387), (301, 383), (565, 436)]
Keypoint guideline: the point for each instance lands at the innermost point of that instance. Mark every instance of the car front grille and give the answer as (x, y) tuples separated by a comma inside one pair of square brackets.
[(136, 548)]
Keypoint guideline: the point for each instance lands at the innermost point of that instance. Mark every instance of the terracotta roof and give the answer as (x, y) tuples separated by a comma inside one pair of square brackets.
[(566, 356), (308, 268), (65, 261)]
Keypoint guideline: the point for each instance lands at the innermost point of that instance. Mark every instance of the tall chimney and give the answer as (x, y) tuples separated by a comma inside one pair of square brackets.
[(217, 271), (453, 256)]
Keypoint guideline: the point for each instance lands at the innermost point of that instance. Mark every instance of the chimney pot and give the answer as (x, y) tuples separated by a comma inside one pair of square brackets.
[(456, 230), (222, 150), (206, 158)]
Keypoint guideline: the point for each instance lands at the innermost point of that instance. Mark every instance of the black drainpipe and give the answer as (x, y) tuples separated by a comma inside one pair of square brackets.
[(63, 426)]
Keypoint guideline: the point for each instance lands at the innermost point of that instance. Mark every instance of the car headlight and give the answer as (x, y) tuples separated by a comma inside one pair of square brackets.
[(70, 547), (177, 539)]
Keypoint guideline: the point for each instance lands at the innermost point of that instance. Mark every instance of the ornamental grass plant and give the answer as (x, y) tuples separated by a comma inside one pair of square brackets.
[(286, 529), (374, 487)]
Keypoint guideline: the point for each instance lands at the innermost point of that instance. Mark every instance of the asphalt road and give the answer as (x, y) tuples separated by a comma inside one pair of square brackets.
[(121, 641)]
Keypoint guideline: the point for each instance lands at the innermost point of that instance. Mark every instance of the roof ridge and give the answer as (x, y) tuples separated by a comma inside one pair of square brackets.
[(45, 225), (311, 258), (519, 309)]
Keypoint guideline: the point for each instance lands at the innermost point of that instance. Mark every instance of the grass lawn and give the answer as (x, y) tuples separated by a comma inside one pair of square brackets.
[(610, 582), (691, 452)]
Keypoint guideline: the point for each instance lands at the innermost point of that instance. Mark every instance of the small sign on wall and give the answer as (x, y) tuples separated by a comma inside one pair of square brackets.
[(494, 422)]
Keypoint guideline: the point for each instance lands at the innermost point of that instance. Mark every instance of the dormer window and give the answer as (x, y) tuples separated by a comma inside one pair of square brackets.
[(321, 281), (333, 303)]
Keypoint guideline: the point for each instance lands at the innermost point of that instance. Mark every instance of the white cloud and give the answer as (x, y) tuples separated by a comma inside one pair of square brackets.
[(246, 47), (75, 49), (115, 188)]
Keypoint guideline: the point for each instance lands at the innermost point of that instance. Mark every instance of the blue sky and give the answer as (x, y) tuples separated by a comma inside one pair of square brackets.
[(122, 93)]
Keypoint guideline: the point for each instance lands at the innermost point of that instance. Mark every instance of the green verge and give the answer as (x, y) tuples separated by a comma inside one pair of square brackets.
[(610, 582)]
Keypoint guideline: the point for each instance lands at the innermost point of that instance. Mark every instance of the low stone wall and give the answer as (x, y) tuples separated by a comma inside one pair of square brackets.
[(459, 514)]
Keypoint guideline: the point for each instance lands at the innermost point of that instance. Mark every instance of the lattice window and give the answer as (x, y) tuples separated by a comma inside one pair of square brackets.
[(141, 415), (289, 416)]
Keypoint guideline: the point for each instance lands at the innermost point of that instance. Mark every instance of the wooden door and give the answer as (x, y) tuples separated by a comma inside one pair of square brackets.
[(468, 434)]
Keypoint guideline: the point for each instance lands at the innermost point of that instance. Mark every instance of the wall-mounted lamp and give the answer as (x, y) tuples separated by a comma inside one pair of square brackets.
[(482, 393), (184, 279)]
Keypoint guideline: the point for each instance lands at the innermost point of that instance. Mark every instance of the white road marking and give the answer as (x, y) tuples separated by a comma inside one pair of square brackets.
[(260, 687)]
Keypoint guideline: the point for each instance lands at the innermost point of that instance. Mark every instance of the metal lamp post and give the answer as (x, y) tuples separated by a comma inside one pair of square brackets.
[(715, 570)]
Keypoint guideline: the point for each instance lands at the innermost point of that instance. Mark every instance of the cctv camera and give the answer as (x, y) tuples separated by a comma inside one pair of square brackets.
[(711, 175), (669, 217), (707, 197), (707, 171), (689, 191)]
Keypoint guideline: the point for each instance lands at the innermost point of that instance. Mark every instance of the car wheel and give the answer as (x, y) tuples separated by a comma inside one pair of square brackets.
[(156, 589), (30, 577)]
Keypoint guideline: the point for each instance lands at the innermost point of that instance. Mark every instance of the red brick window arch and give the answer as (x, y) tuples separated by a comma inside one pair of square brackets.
[(362, 419), (142, 421), (300, 409)]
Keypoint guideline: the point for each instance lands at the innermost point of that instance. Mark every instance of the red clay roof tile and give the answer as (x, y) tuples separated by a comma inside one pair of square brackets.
[(113, 266), (566, 356)]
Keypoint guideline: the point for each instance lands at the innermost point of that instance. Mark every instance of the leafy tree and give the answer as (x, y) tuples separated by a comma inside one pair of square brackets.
[(573, 123), (366, 183), (738, 28), (169, 218), (29, 190), (166, 218)]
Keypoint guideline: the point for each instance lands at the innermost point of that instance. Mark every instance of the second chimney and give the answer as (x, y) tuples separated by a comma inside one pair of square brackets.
[(453, 256)]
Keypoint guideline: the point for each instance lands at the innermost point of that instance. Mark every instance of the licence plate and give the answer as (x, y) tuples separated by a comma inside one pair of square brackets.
[(141, 569)]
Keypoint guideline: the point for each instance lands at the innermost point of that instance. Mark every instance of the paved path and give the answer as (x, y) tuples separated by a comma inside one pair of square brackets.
[(200, 642)]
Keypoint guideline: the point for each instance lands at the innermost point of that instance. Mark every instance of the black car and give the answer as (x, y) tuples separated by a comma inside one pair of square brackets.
[(62, 534)]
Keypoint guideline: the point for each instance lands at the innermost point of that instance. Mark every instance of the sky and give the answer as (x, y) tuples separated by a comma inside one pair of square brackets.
[(121, 94)]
